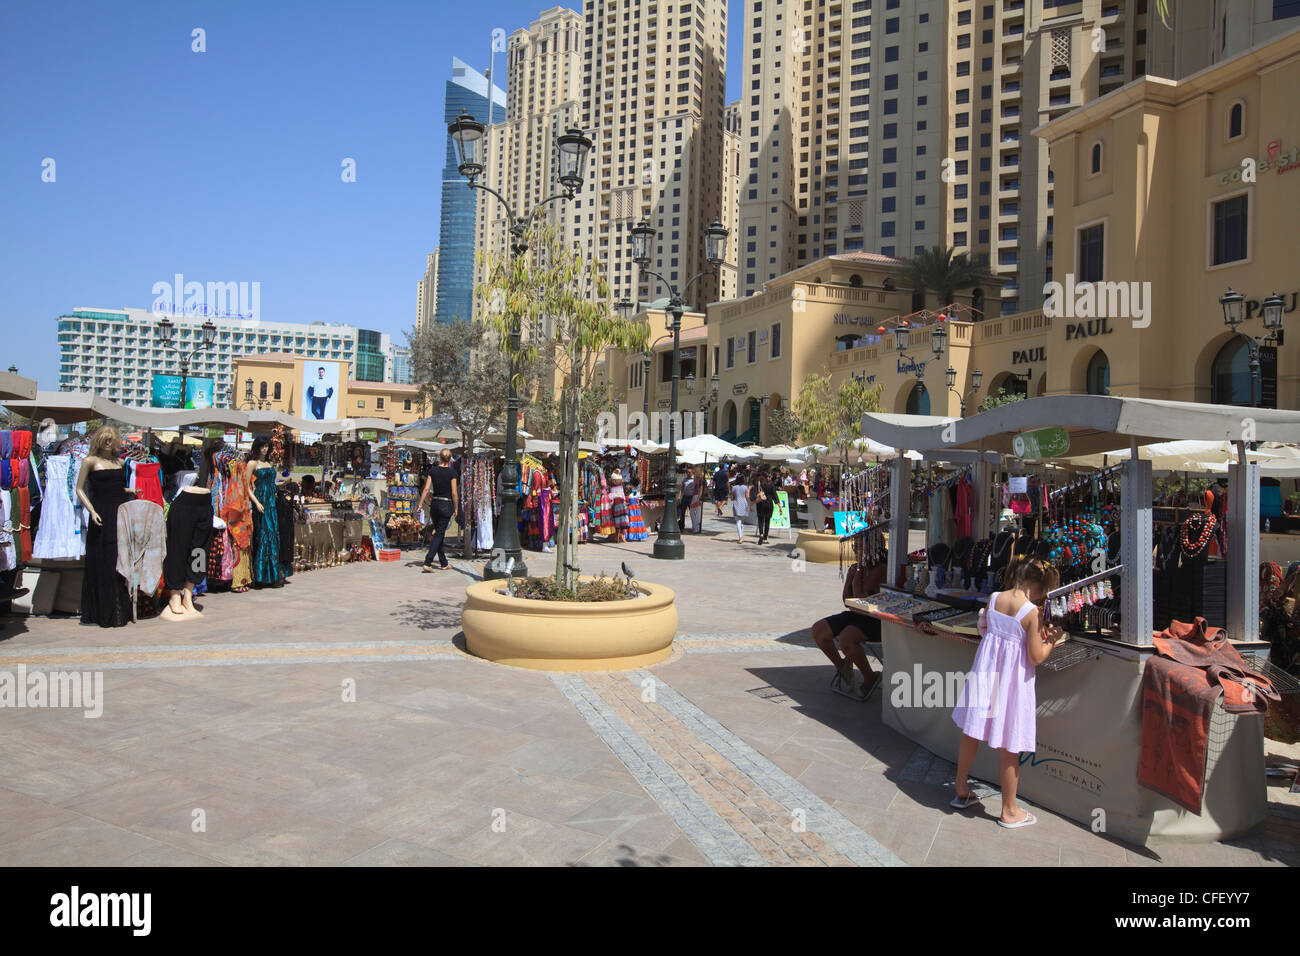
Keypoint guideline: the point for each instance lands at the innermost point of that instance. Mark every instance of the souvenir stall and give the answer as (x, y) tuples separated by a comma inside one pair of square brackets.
[(1118, 730), (405, 464)]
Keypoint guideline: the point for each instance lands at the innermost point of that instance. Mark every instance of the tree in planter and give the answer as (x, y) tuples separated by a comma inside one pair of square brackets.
[(1002, 397), (569, 288), (942, 272), (463, 376), (785, 426), (833, 416)]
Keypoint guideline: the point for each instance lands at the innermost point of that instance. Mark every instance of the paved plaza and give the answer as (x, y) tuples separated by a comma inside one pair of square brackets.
[(231, 741)]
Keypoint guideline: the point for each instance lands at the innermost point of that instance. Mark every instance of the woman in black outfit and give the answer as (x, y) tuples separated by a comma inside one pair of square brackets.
[(764, 492), (440, 488)]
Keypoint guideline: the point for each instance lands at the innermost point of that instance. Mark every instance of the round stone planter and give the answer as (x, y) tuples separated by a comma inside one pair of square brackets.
[(818, 547), (569, 635)]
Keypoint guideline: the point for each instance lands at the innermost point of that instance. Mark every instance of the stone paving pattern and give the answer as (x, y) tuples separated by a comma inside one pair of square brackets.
[(229, 742)]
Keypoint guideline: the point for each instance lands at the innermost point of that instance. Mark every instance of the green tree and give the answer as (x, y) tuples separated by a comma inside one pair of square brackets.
[(1001, 397), (560, 302), (785, 426), (832, 416), (462, 378), (941, 271)]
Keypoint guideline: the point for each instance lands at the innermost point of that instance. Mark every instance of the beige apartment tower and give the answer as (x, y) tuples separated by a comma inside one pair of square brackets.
[(426, 292), (543, 99), (654, 106)]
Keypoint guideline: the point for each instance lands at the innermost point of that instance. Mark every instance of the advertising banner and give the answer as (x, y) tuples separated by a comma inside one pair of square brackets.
[(320, 390), (781, 512), (849, 522), (166, 392)]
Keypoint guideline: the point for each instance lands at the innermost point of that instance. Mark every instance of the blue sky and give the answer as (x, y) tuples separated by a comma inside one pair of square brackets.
[(225, 165)]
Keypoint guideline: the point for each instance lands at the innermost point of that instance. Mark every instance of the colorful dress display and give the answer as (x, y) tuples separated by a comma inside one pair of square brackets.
[(266, 539), (239, 525), (636, 529)]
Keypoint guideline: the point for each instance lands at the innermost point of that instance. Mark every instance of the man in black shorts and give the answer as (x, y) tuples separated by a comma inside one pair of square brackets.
[(851, 629)]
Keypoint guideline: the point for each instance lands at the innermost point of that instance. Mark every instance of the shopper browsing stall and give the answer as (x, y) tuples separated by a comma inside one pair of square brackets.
[(442, 494), (849, 629), (998, 704)]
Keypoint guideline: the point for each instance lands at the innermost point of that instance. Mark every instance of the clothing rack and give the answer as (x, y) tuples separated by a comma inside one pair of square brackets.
[(1081, 482)]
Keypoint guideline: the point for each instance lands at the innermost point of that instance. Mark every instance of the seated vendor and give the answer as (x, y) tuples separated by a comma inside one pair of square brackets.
[(851, 628)]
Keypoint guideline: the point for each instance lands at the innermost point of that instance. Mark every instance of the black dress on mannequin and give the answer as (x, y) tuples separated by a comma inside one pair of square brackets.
[(189, 534), (104, 597)]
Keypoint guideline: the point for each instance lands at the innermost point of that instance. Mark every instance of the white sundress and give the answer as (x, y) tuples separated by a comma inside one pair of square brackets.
[(58, 535), (998, 703)]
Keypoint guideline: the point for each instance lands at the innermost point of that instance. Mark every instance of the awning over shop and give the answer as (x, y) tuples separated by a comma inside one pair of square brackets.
[(16, 387), (1092, 422)]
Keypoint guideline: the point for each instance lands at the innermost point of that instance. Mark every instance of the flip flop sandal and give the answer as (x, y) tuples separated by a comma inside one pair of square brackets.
[(962, 803), (1028, 821)]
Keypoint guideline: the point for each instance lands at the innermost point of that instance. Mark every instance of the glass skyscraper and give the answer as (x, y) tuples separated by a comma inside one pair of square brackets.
[(466, 90)]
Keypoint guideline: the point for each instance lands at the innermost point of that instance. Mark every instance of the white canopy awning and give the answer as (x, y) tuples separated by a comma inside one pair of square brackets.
[(16, 387), (714, 447), (1092, 421)]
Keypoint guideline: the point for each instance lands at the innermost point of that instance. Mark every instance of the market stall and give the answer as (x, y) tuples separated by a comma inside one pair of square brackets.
[(1099, 724)]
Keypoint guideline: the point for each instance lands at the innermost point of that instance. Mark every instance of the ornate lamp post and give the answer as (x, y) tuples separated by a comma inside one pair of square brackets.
[(669, 543), (976, 376), (571, 151), (1231, 302), (166, 331)]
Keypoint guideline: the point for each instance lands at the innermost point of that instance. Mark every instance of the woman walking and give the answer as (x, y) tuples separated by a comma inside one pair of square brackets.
[(764, 492), (441, 492), (740, 505), (697, 502)]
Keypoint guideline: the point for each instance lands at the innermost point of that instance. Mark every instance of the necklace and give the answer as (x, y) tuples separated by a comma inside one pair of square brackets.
[(1206, 522)]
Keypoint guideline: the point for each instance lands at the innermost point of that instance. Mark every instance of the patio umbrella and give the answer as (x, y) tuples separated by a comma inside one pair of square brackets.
[(714, 447)]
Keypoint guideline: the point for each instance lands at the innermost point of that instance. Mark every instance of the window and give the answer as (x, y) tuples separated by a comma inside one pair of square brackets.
[(918, 400), (1236, 120), (406, 404), (776, 340), (1231, 382), (1094, 161), (1099, 374), (1091, 253), (751, 348), (887, 204), (1229, 225), (731, 344), (262, 391), (379, 402), (276, 391)]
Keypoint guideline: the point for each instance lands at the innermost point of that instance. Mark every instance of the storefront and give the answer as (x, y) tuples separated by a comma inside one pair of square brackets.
[(1091, 702)]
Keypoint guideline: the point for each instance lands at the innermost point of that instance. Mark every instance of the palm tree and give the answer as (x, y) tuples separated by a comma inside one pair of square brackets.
[(940, 271)]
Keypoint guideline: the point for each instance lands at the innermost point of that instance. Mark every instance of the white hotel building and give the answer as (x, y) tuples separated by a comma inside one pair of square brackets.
[(114, 352)]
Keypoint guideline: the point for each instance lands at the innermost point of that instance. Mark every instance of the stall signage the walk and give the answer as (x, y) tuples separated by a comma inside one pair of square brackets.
[(214, 431), (1083, 330), (740, 388), (843, 318), (1041, 443), (1025, 356)]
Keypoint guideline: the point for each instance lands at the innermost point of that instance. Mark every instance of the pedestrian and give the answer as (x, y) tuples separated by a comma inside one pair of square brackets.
[(764, 497), (721, 487), (684, 502), (697, 502), (441, 493), (998, 704), (850, 629), (740, 505)]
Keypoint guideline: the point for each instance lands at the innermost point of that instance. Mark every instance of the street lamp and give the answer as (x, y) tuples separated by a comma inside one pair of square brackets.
[(976, 376), (1271, 309), (166, 330), (571, 149), (248, 392), (669, 544)]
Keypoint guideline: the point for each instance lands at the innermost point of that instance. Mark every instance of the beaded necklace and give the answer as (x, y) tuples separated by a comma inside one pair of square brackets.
[(1207, 522)]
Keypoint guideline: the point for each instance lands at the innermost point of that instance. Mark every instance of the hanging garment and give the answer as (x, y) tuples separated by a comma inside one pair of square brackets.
[(141, 544), (189, 532), (548, 523), (483, 525), (636, 529), (266, 534), (59, 536), (148, 482), (962, 513), (104, 597), (1194, 666), (284, 516), (22, 506), (239, 524), (8, 553)]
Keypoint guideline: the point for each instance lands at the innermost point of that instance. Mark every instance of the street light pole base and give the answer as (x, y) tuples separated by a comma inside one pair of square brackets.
[(670, 548)]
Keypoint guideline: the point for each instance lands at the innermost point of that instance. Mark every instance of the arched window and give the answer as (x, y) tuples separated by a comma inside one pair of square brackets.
[(1094, 164), (977, 302), (918, 400), (1236, 120), (855, 281), (277, 391), (1099, 374), (843, 342), (731, 419), (262, 393), (1230, 378)]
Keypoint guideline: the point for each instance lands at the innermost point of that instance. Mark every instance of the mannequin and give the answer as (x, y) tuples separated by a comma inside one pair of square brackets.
[(101, 489), (266, 538), (189, 533)]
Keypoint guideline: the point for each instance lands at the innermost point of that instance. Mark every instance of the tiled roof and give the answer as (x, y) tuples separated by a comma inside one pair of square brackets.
[(868, 257)]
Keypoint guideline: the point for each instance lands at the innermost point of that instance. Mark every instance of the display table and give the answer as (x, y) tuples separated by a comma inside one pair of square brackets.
[(1089, 734)]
